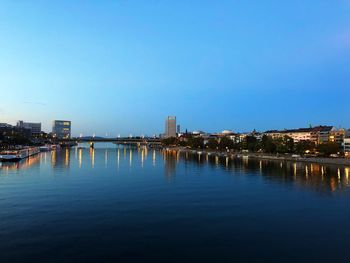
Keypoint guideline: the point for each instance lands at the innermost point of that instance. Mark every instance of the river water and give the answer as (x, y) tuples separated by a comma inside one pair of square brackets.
[(121, 204)]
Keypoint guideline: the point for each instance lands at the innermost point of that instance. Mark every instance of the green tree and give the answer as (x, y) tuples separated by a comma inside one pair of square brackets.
[(284, 145), (225, 143), (302, 146), (182, 143), (170, 141), (251, 143), (212, 143), (237, 146), (196, 142), (289, 143), (268, 145), (328, 148), (280, 146)]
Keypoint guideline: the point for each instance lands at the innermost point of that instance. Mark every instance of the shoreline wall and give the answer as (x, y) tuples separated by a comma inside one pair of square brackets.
[(279, 157)]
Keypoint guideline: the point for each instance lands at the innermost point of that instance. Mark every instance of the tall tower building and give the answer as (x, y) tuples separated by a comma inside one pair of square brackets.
[(170, 127)]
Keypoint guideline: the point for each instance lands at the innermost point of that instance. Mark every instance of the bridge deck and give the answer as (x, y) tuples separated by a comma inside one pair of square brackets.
[(116, 140)]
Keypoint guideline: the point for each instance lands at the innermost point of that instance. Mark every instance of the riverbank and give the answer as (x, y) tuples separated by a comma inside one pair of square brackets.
[(264, 156)]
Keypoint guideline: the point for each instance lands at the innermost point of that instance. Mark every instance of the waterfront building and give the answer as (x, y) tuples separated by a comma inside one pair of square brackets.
[(35, 128), (257, 135), (226, 133), (242, 136), (274, 134), (230, 134), (298, 135), (347, 133), (61, 129), (9, 130), (302, 134), (318, 134), (198, 133), (183, 137), (337, 135), (170, 127), (346, 145), (321, 133)]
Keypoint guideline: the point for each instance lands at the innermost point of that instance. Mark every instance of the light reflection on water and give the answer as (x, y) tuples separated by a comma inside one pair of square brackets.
[(311, 175), (98, 204), (317, 176)]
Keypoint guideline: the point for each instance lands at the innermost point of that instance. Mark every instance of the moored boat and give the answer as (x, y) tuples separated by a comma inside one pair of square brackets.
[(45, 148), (17, 155), (55, 147)]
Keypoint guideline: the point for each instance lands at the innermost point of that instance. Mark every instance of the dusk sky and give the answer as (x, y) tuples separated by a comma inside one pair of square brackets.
[(121, 67)]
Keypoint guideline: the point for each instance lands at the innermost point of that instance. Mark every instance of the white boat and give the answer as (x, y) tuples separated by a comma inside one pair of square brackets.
[(56, 147), (17, 155), (45, 148)]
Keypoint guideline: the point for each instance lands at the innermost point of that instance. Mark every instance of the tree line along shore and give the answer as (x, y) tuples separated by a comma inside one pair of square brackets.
[(284, 149)]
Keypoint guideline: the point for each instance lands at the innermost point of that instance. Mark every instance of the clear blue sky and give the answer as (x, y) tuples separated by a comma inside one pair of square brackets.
[(123, 66)]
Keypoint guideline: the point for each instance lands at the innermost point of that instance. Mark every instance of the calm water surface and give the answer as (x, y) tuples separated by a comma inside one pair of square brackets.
[(136, 205)]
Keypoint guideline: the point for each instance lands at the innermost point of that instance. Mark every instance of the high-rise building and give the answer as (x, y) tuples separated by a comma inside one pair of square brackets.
[(170, 127), (178, 130), (61, 129), (35, 128)]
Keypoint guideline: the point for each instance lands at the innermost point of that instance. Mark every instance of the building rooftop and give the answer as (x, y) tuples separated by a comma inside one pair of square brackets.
[(319, 128), (5, 125)]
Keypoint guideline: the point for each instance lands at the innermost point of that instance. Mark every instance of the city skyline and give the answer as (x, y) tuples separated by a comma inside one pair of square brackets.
[(121, 68), (171, 129)]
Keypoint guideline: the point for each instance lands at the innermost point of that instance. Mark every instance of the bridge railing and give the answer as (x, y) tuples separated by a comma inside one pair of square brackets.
[(121, 140)]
